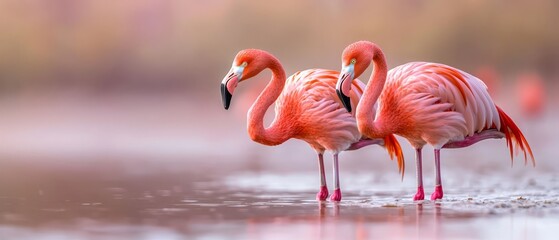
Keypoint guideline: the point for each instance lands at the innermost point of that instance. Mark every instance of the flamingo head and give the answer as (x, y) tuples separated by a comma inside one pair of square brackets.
[(247, 63), (355, 59)]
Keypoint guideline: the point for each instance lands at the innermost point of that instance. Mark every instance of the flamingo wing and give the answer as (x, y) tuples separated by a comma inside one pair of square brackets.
[(453, 101), (450, 103), (310, 104)]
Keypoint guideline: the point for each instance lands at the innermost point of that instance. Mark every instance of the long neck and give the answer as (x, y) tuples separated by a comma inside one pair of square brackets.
[(276, 133), (365, 113)]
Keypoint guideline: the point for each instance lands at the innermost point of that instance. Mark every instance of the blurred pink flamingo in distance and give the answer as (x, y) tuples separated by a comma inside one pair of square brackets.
[(530, 91), (426, 103), (491, 77), (306, 108)]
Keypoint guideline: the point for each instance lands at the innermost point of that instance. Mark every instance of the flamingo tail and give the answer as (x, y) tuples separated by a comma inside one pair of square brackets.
[(513, 134), (394, 150)]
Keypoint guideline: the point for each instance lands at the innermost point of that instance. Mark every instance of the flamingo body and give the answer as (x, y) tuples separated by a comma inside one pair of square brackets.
[(436, 104), (439, 105), (309, 105)]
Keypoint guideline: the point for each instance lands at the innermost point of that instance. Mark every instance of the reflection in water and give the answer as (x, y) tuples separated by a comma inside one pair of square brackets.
[(324, 211), (418, 214), (437, 219), (93, 202)]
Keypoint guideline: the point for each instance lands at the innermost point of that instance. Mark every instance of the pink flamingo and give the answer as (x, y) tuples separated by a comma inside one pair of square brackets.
[(530, 91), (491, 78), (427, 103), (306, 108)]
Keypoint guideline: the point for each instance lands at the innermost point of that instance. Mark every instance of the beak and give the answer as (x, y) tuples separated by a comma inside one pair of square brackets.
[(229, 84), (225, 96), (343, 87)]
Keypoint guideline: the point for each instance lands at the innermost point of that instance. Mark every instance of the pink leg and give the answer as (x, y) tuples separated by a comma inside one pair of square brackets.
[(420, 195), (337, 195), (323, 193), (438, 194)]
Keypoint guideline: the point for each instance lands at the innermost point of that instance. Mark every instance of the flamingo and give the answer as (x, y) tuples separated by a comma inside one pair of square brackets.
[(491, 78), (426, 103), (530, 91), (306, 108)]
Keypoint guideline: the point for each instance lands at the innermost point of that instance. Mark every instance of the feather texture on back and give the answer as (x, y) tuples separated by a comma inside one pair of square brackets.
[(310, 103), (450, 103)]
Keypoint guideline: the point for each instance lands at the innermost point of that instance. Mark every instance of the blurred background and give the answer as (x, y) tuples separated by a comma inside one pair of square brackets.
[(94, 90), (139, 79)]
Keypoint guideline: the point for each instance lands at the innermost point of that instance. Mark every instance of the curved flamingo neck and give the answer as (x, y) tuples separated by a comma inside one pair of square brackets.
[(365, 113), (276, 133)]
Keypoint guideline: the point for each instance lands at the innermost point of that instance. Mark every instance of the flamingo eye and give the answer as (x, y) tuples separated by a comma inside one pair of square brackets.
[(244, 64), (353, 61)]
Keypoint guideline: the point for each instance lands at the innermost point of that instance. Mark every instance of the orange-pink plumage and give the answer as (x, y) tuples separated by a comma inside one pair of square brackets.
[(426, 103), (307, 108)]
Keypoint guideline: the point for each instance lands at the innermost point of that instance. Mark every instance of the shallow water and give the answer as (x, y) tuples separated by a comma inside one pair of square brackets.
[(93, 202)]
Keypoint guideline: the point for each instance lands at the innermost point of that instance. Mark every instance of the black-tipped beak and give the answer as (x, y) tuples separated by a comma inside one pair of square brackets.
[(228, 85), (344, 85), (225, 96), (346, 101)]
